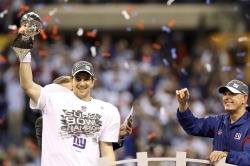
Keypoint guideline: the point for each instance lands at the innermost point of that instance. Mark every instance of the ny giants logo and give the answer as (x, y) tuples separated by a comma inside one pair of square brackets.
[(237, 136)]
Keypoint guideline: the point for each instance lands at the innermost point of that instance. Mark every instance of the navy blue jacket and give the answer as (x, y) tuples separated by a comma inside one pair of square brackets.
[(233, 138)]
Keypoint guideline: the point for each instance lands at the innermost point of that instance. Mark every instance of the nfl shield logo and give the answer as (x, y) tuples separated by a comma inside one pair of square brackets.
[(83, 108)]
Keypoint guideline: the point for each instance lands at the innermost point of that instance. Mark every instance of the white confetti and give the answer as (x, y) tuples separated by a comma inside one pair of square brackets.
[(125, 14), (52, 12), (208, 67), (3, 13), (12, 27), (169, 2), (93, 50), (80, 32)]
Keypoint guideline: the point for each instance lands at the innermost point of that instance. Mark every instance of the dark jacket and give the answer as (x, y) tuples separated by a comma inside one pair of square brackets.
[(233, 138)]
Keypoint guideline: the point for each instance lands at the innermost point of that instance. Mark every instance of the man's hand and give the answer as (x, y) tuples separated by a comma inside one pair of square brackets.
[(23, 29), (182, 96), (126, 130), (217, 155)]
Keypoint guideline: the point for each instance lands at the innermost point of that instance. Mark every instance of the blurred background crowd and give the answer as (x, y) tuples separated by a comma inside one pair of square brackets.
[(134, 67)]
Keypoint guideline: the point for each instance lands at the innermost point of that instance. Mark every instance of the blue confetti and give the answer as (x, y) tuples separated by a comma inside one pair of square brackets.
[(166, 29), (173, 53)]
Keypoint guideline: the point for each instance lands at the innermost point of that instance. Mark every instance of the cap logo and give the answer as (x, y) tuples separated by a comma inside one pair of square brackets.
[(235, 85), (87, 67)]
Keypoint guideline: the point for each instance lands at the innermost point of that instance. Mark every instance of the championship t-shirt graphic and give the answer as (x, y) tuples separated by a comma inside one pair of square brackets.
[(75, 123)]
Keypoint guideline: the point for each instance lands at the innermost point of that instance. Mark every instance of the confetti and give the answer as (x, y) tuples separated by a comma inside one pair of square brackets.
[(165, 62), (171, 23), (208, 2), (43, 34), (12, 27), (52, 12), (91, 34), (3, 59), (106, 54), (43, 53), (125, 14), (166, 29), (208, 67), (141, 25), (3, 13), (156, 46), (80, 32), (131, 9), (173, 53), (151, 136), (93, 51), (169, 2), (146, 59)]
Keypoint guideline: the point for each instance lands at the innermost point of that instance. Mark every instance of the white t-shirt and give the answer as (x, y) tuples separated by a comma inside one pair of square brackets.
[(72, 128)]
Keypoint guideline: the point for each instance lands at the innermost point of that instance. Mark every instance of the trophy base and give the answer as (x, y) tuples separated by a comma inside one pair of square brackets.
[(22, 45), (20, 52)]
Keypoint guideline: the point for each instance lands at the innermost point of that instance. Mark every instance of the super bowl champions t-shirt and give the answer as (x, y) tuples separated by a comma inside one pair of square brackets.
[(73, 128)]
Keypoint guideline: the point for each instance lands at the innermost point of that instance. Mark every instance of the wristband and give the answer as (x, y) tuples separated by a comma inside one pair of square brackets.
[(27, 58)]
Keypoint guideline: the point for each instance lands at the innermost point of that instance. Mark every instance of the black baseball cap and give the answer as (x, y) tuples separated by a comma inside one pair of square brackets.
[(82, 66), (235, 86)]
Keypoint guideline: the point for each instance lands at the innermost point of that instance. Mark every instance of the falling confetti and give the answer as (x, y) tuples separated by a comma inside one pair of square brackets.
[(93, 51), (52, 12), (166, 29), (131, 9), (165, 62), (106, 54), (3, 59), (169, 2), (171, 23), (12, 27), (125, 14), (140, 25), (208, 67), (156, 46), (43, 34), (173, 53), (3, 13), (80, 32)]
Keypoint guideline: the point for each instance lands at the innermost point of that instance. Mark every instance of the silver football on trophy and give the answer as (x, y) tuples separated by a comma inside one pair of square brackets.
[(33, 23)]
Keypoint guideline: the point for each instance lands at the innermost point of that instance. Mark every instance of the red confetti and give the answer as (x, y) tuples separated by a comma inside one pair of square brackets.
[(156, 46), (171, 23), (24, 7), (106, 54), (131, 9), (151, 136), (91, 34), (146, 59), (43, 34), (43, 53), (3, 59), (1, 122), (55, 30)]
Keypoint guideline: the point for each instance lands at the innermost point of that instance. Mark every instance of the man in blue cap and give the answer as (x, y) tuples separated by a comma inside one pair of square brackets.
[(230, 131)]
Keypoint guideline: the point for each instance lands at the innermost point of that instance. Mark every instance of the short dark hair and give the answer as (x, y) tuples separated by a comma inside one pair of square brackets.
[(62, 79)]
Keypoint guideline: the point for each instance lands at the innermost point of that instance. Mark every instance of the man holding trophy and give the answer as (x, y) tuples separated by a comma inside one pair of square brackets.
[(77, 129)]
